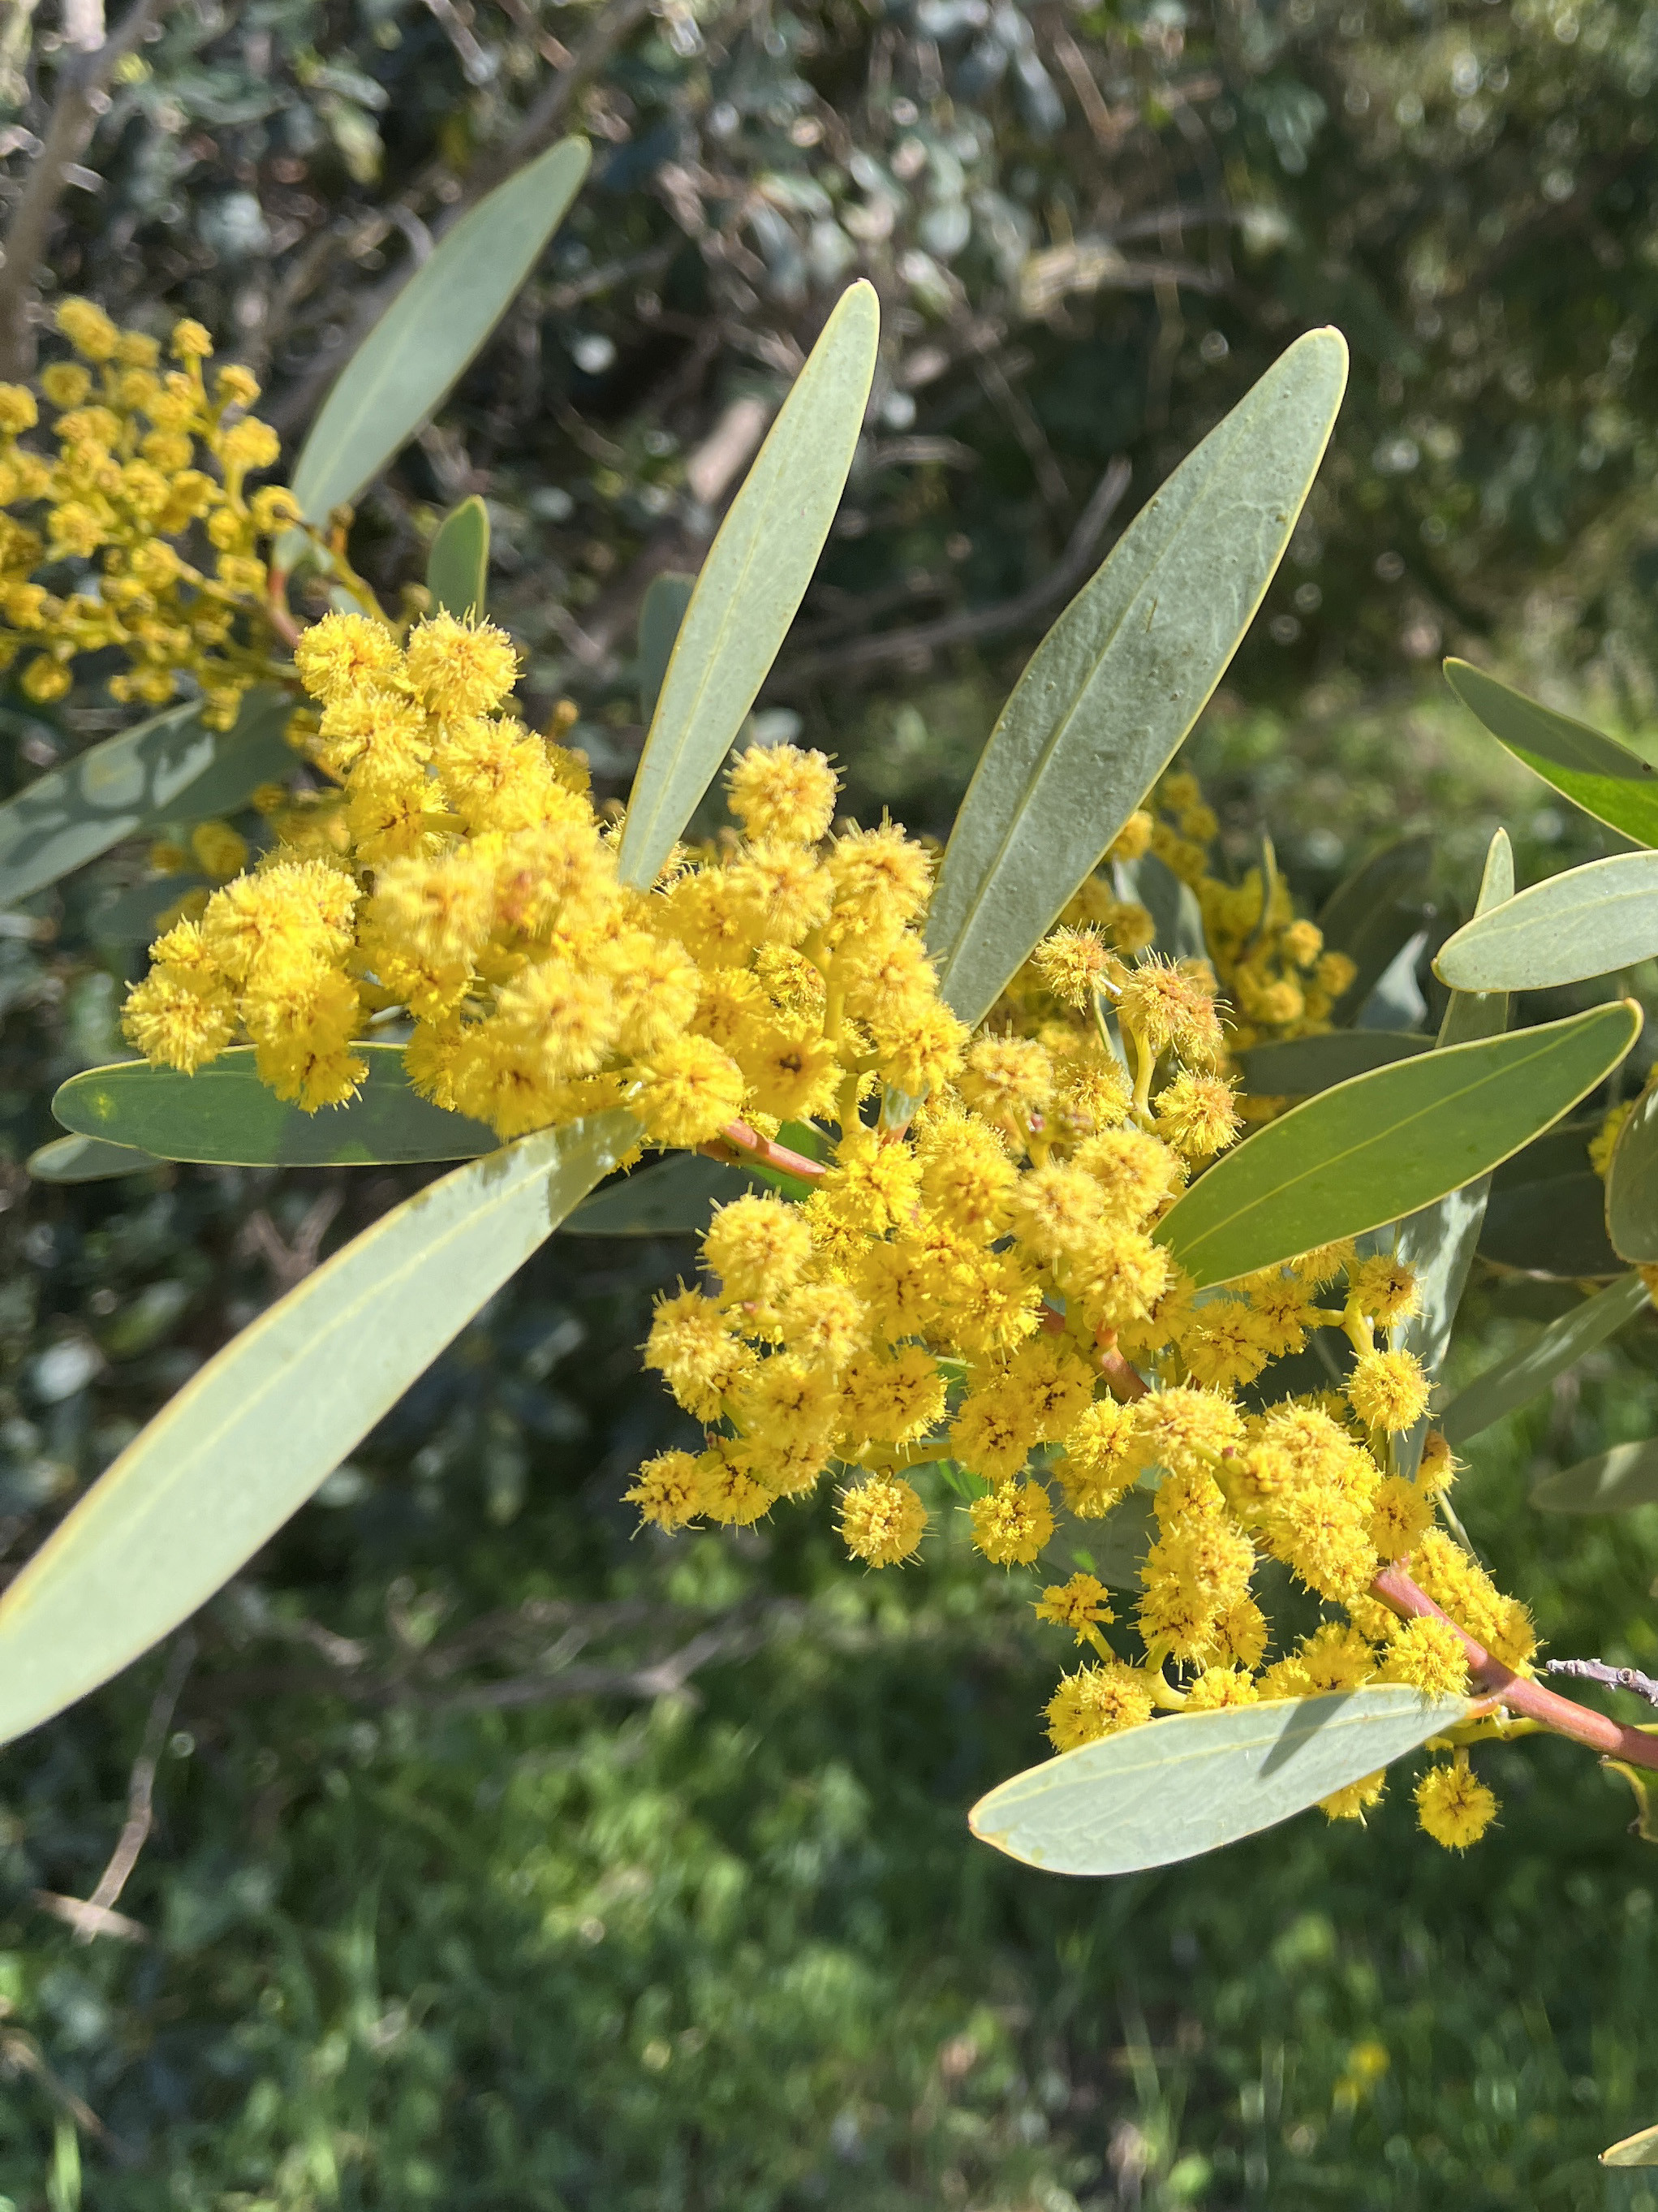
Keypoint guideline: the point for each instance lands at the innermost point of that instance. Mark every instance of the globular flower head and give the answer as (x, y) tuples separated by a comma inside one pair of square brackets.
[(1096, 1702), (1013, 1523), (1453, 1805), (1388, 1390), (883, 1520), (756, 1247), (1077, 965), (781, 792)]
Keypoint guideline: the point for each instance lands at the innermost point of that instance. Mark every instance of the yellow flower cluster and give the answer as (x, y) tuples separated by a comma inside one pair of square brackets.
[(1271, 965), (146, 497), (979, 1286)]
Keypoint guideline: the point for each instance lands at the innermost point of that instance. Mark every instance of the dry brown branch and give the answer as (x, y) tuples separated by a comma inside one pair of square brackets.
[(79, 100), (21, 2054), (95, 1916)]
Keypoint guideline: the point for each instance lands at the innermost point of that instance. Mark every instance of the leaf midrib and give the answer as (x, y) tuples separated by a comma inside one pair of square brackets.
[(270, 1323), (989, 873), (1504, 1073)]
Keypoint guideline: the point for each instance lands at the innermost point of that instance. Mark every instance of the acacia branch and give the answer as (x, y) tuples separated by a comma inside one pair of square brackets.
[(1611, 1739), (78, 104)]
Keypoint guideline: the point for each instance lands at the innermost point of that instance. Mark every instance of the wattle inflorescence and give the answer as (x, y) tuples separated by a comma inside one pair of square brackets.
[(980, 1286), (145, 495)]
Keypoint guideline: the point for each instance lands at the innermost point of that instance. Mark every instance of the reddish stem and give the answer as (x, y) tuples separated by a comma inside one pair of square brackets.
[(1550, 1710), (277, 610), (751, 1148)]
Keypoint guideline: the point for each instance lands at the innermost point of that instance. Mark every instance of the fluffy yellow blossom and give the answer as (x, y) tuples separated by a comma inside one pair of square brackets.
[(668, 1489), (1453, 1805), (1013, 1523), (1388, 1391), (1358, 1799), (1095, 1702), (883, 1520), (1078, 1605)]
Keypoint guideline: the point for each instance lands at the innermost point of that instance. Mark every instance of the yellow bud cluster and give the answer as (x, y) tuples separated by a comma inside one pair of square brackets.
[(148, 462), (981, 1289)]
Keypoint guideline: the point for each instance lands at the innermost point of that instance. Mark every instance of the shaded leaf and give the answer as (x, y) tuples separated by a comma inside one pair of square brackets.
[(660, 614), (1555, 1226), (405, 366), (1512, 1382), (249, 1437), (1632, 1203), (86, 1159), (1589, 922), (458, 562), (1374, 913), (1614, 1481), (672, 1197), (132, 915), (1153, 1795), (752, 583), (1596, 773), (1387, 1143), (1438, 1242), (1171, 904), (224, 1115), (1301, 1066), (166, 770), (1117, 683)]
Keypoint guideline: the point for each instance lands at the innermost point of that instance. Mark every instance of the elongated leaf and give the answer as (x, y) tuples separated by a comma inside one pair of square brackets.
[(1614, 1481), (1589, 921), (752, 582), (223, 1113), (1153, 1795), (1389, 1143), (1298, 1068), (1632, 1185), (405, 366), (661, 612), (1514, 1381), (168, 769), (250, 1438), (673, 1197), (458, 562), (1633, 2150), (1374, 913), (86, 1159), (1596, 773), (1438, 1244), (1555, 1226), (1122, 677)]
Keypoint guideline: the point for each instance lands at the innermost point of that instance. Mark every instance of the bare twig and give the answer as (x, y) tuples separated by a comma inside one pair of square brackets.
[(291, 1263), (21, 2054), (91, 1919), (79, 101), (972, 622), (1613, 1678)]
